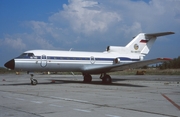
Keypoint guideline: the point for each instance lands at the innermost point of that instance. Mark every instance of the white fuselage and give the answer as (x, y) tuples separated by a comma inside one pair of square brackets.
[(69, 61)]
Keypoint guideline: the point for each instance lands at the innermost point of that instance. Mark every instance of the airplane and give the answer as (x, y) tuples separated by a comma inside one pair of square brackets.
[(115, 58)]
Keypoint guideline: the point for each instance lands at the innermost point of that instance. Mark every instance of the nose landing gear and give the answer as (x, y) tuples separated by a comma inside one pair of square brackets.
[(33, 81)]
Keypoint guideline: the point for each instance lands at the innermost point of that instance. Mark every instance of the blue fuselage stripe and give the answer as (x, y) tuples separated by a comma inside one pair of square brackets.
[(78, 58)]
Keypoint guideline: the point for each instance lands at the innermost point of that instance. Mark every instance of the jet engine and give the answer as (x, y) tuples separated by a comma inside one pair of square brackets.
[(117, 60)]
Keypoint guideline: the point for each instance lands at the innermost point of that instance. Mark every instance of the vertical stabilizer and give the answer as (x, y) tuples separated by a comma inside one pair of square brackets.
[(143, 42)]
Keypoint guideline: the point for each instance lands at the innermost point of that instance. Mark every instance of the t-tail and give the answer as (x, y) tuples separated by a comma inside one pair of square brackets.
[(141, 44)]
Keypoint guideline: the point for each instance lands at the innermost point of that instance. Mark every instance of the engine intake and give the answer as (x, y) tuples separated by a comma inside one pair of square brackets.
[(117, 60)]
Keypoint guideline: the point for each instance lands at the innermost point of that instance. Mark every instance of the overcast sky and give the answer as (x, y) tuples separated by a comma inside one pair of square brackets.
[(89, 25)]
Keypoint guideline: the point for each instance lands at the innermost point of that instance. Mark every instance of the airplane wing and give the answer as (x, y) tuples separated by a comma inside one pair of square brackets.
[(120, 67)]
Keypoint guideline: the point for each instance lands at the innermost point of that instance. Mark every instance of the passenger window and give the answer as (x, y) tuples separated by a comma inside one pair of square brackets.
[(43, 56)]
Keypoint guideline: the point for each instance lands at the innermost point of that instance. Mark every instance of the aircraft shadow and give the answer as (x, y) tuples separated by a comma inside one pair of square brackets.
[(99, 83), (54, 81), (19, 84)]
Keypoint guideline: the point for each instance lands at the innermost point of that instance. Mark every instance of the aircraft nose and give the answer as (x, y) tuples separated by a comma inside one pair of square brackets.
[(10, 64)]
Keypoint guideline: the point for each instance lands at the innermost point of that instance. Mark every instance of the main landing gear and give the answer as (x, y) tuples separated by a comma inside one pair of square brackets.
[(87, 78), (33, 81), (106, 79)]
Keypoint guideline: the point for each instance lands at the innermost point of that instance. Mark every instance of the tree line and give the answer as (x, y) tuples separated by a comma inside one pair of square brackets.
[(172, 64)]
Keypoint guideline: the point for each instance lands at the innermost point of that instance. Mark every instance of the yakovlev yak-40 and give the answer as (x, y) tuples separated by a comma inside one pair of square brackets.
[(115, 58)]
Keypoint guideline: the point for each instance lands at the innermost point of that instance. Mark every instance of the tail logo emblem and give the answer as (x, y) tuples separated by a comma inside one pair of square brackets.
[(136, 46)]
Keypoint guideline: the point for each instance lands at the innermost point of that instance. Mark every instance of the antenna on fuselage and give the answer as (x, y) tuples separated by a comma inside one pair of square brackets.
[(70, 49)]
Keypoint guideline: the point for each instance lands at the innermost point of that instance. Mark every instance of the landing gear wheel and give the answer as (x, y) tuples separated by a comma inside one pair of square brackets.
[(87, 78), (106, 79), (34, 82)]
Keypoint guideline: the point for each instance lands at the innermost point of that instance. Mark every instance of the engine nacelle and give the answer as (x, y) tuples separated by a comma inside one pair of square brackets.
[(113, 48), (117, 60), (119, 49)]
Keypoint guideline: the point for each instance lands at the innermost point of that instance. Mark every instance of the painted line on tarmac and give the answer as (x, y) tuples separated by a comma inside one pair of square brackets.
[(68, 99), (55, 105), (112, 115), (21, 99), (7, 97), (172, 102), (37, 102), (81, 110)]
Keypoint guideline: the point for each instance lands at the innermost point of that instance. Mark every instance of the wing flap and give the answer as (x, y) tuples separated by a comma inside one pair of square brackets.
[(139, 64)]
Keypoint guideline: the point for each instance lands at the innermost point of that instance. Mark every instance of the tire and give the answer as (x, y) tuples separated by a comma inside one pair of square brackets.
[(106, 79), (87, 78), (34, 82)]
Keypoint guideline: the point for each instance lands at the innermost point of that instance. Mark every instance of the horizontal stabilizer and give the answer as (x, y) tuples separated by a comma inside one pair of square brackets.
[(159, 34)]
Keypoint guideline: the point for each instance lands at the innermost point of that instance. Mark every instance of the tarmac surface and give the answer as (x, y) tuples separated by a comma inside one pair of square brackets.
[(68, 96)]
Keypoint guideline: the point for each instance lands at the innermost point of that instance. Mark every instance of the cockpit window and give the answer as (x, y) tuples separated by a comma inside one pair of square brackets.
[(30, 54), (26, 55)]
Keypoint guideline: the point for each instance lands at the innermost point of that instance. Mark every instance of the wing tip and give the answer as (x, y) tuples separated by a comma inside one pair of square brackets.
[(171, 32), (164, 59)]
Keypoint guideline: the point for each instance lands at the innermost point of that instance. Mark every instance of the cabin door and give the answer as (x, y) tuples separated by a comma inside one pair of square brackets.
[(43, 61)]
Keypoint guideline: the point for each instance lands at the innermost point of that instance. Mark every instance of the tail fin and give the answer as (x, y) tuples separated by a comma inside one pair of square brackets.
[(143, 42)]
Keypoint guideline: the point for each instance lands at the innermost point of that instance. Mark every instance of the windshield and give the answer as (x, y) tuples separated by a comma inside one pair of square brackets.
[(26, 55)]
